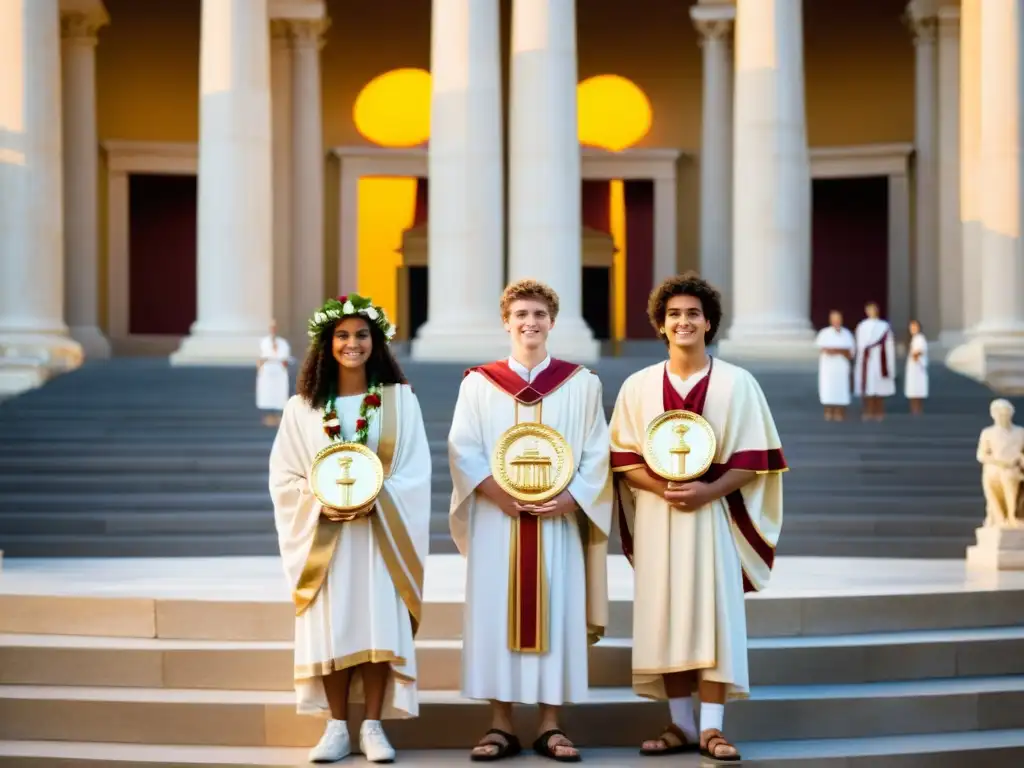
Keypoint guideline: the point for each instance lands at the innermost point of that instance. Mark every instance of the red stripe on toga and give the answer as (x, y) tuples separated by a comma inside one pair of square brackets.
[(864, 361), (529, 587)]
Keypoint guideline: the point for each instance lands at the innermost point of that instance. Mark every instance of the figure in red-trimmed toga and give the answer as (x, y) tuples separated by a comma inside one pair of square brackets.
[(536, 583), (695, 547)]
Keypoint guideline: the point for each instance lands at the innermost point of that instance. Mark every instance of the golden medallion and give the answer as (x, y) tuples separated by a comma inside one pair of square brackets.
[(680, 445), (532, 462), (346, 478)]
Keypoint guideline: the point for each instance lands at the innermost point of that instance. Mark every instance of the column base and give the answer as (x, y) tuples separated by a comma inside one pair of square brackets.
[(219, 349), (571, 339), (29, 360), (469, 342), (996, 361), (998, 549), (94, 344), (796, 346)]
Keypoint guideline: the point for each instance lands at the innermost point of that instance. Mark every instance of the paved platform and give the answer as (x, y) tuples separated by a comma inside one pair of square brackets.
[(187, 661)]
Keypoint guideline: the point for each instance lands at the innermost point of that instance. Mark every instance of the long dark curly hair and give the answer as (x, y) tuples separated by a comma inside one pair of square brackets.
[(318, 377)]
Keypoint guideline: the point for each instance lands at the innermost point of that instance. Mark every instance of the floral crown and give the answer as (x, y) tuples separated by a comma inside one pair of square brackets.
[(334, 310)]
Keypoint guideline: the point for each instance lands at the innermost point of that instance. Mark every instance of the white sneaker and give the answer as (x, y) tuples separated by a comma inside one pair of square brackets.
[(334, 744), (374, 744)]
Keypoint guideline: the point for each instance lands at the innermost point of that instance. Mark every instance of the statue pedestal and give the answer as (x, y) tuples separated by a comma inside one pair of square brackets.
[(998, 549)]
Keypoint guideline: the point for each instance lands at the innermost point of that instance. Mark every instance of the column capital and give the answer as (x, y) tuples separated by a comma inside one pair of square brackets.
[(922, 19), (925, 30), (82, 27), (713, 22), (300, 33), (949, 18)]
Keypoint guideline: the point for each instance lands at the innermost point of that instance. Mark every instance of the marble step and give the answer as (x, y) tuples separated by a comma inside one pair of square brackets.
[(250, 601), (993, 749), (64, 660), (268, 718)]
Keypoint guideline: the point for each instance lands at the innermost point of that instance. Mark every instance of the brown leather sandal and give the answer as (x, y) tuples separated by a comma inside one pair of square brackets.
[(675, 742), (507, 745), (715, 739)]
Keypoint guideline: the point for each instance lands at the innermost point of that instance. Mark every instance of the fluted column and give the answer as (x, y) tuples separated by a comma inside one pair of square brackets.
[(81, 222), (32, 323), (771, 185), (995, 353), (307, 185), (235, 216), (970, 157), (715, 24), (281, 129), (1002, 259), (465, 219), (924, 26), (545, 221), (951, 266)]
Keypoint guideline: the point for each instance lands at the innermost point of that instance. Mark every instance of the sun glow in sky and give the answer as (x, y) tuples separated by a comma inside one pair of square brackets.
[(393, 110)]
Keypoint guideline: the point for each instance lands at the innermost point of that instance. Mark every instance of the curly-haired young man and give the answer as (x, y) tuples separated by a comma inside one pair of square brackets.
[(536, 590), (695, 546)]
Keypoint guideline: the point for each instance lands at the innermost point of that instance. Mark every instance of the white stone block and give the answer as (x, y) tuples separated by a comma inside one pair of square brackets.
[(998, 549)]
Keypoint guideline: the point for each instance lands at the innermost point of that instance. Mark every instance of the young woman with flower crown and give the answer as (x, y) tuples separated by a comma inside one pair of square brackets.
[(357, 585)]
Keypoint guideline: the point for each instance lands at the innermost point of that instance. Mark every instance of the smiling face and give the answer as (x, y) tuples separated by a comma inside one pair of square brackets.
[(685, 323), (529, 322), (352, 342)]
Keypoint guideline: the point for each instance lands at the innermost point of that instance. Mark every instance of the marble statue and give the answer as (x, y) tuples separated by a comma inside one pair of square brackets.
[(1001, 454)]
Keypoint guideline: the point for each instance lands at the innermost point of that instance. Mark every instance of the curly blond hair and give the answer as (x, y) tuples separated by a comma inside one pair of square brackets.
[(528, 289)]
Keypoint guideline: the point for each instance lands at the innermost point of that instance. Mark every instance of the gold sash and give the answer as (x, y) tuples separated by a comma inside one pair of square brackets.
[(403, 563)]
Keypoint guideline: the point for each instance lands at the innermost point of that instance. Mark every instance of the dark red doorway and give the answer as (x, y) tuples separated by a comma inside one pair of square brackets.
[(162, 254), (850, 247)]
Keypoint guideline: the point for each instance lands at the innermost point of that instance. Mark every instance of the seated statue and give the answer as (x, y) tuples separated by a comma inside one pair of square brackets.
[(1001, 454)]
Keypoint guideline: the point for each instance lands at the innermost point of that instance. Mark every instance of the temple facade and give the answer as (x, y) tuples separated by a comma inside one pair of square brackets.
[(175, 175)]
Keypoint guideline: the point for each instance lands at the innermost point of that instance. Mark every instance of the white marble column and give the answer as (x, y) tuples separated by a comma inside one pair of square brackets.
[(715, 24), (950, 230), (465, 223), (81, 191), (771, 186), (970, 165), (281, 128), (545, 221), (235, 216), (924, 27), (307, 185), (995, 353), (32, 327)]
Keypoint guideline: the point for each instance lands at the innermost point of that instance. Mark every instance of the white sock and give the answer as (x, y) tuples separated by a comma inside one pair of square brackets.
[(681, 710), (711, 716)]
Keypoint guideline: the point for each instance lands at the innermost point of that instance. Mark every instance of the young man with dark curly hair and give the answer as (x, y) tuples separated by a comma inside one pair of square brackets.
[(696, 546), (536, 585)]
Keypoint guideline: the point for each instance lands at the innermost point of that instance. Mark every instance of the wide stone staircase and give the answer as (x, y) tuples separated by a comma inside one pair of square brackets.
[(131, 457), (177, 662)]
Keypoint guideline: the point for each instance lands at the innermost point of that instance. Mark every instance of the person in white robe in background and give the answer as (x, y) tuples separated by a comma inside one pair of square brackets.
[(272, 376), (696, 547), (874, 369), (915, 378), (357, 585), (836, 349), (503, 661)]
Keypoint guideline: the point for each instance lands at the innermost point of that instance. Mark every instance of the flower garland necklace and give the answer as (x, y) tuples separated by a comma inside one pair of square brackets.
[(369, 405)]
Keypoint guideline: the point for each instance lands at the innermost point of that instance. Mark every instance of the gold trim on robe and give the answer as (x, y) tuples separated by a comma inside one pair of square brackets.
[(403, 564)]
